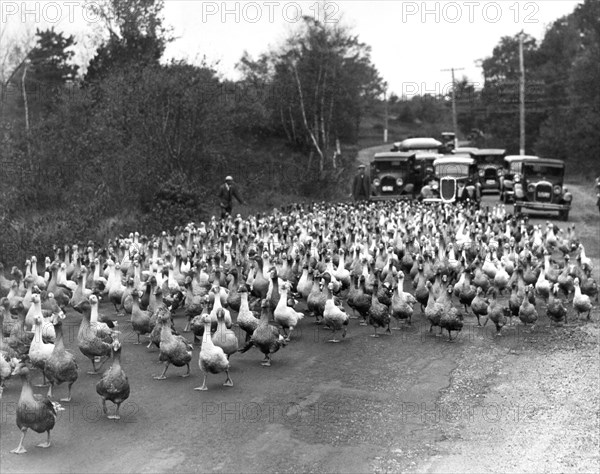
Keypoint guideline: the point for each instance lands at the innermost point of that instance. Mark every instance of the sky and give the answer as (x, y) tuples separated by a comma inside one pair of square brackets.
[(411, 41)]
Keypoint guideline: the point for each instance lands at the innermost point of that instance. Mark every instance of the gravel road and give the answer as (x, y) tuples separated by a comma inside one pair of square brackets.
[(408, 402)]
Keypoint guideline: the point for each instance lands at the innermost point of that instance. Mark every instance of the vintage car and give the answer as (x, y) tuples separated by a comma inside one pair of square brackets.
[(424, 168), (448, 141), (490, 166), (423, 144), (512, 167), (455, 179), (393, 175), (539, 186)]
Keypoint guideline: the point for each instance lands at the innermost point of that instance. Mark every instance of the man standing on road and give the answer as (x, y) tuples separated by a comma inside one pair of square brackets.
[(227, 192), (360, 186)]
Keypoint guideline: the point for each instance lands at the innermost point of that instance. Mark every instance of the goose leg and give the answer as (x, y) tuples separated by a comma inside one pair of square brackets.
[(333, 339), (228, 382), (267, 362), (103, 362), (47, 444), (49, 394), (187, 374), (20, 449), (95, 371), (116, 416), (44, 381), (203, 387), (138, 339), (163, 376), (375, 334), (104, 409)]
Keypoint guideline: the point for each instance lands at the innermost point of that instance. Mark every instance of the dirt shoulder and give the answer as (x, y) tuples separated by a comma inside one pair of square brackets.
[(525, 403)]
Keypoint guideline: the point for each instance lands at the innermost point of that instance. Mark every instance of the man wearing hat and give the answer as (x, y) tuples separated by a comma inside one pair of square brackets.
[(227, 192), (360, 186)]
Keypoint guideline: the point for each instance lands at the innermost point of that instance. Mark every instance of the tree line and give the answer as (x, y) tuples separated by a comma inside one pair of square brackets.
[(135, 143), (562, 94)]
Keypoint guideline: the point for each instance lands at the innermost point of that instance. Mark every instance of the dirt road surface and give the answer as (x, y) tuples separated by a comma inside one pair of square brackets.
[(406, 402)]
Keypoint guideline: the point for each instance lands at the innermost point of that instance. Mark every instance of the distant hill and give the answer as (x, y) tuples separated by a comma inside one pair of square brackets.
[(404, 120)]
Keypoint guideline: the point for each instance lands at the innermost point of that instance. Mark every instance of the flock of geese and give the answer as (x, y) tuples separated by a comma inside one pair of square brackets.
[(373, 262)]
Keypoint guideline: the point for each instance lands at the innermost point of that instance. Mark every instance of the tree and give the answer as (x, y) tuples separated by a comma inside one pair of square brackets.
[(572, 55), (51, 66), (137, 35), (322, 79), (500, 94)]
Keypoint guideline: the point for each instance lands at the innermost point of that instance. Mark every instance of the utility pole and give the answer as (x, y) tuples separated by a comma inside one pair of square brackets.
[(454, 119), (385, 127), (521, 96)]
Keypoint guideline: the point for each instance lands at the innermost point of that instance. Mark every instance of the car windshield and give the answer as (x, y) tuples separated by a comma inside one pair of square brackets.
[(391, 166), (536, 171), (497, 160), (454, 170)]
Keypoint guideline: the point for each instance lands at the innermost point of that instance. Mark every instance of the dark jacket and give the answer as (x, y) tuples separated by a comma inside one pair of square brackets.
[(226, 195), (361, 187)]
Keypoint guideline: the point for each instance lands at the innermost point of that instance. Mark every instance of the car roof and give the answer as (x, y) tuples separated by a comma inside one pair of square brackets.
[(421, 142), (489, 151), (464, 149), (511, 158), (427, 155), (386, 155), (459, 160), (549, 161)]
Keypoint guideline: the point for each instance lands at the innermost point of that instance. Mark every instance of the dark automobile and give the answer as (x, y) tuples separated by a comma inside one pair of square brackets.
[(512, 168), (539, 186), (456, 179), (490, 166), (393, 175), (424, 171), (448, 141)]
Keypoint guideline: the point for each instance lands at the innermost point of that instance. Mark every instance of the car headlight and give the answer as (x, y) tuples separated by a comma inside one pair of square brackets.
[(516, 178), (500, 172), (376, 182), (530, 188), (399, 182), (568, 197), (518, 190), (481, 173), (557, 189)]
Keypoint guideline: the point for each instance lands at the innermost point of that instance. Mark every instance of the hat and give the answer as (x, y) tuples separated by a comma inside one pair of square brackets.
[(361, 166), (228, 178)]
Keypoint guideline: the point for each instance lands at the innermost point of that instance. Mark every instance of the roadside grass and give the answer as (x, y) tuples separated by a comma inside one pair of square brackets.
[(586, 217)]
